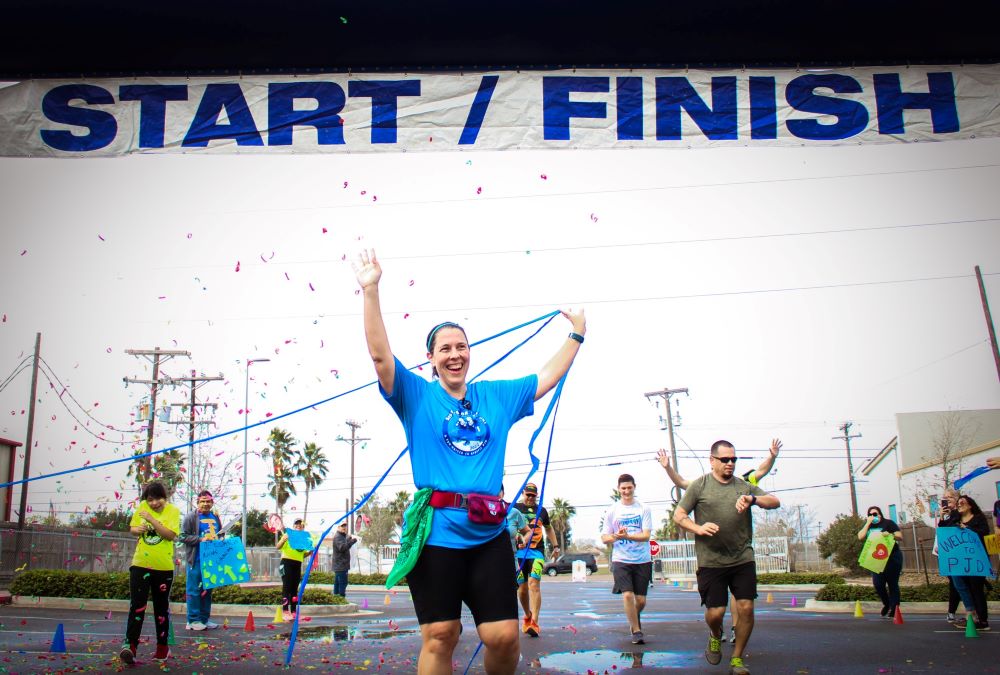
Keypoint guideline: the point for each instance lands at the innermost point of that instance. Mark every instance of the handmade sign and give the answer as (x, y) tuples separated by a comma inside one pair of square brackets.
[(300, 540), (223, 563), (875, 552), (992, 544), (961, 553)]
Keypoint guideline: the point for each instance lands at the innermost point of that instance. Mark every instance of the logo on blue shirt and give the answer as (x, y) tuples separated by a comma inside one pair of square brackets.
[(465, 432)]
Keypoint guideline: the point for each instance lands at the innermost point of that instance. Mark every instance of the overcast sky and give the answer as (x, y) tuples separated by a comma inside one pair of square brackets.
[(788, 289)]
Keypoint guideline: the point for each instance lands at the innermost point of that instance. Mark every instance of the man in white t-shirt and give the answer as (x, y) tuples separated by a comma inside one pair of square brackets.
[(627, 525)]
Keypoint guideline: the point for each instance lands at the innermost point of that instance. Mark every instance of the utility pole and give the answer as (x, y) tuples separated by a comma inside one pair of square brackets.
[(665, 394), (30, 433), (846, 428), (989, 320), (194, 382), (353, 440), (154, 385), (801, 541)]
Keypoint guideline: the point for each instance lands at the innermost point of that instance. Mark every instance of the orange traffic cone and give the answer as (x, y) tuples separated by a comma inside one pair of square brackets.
[(898, 618), (770, 598), (249, 627)]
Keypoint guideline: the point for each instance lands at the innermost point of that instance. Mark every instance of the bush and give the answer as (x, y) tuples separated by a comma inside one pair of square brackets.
[(320, 578), (931, 593), (799, 578), (114, 585), (841, 542)]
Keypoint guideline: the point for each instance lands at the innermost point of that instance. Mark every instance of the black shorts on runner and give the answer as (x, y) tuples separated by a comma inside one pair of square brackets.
[(715, 583), (631, 577), (482, 577)]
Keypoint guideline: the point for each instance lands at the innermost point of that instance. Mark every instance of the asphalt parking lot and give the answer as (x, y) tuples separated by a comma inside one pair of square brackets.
[(583, 630)]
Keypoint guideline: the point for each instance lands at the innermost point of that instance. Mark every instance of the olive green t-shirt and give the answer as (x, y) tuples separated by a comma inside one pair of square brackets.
[(709, 501)]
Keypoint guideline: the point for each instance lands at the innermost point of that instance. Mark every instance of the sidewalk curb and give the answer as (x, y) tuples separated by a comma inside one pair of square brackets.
[(874, 607)]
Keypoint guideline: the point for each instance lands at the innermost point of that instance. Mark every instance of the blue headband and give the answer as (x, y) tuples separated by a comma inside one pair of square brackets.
[(446, 324)]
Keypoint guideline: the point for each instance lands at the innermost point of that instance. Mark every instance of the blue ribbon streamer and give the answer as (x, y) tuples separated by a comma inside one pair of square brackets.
[(268, 420), (960, 483)]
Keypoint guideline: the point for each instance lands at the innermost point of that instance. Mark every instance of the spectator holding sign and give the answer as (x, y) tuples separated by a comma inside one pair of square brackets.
[(198, 526), (887, 582), (949, 518), (972, 590), (290, 570)]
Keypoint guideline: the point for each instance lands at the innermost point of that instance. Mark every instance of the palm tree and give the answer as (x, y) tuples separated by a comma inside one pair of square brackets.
[(279, 451), (311, 467), (399, 504), (559, 516)]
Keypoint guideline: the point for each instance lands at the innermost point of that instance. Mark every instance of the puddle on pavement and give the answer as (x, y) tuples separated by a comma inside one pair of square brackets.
[(600, 660), (344, 634)]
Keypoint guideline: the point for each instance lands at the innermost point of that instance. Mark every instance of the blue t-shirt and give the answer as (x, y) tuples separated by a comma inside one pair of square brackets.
[(459, 450)]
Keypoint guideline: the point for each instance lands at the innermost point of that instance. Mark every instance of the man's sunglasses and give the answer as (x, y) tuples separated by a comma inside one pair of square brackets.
[(726, 460)]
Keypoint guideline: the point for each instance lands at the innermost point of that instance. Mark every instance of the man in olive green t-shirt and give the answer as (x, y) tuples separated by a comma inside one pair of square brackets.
[(724, 547)]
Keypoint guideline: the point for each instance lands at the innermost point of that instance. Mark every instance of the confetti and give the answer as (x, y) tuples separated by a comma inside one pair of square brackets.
[(101, 237), (189, 235), (479, 190), (311, 287), (345, 184), (237, 265), (24, 252), (544, 177), (593, 217)]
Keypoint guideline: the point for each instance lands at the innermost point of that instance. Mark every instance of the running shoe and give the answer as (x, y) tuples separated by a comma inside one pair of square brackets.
[(127, 655), (526, 622), (982, 625), (713, 652), (736, 667), (885, 610), (951, 617), (211, 625), (732, 634), (162, 653), (637, 638), (533, 629), (195, 625)]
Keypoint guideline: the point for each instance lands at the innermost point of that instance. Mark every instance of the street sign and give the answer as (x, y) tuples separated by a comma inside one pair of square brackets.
[(654, 548)]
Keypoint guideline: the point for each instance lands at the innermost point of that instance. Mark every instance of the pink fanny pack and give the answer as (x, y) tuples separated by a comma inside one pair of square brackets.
[(481, 509)]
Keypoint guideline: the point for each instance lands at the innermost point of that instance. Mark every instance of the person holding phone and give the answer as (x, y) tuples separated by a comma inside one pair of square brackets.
[(949, 518)]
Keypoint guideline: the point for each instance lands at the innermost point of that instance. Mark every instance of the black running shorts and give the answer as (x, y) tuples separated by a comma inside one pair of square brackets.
[(631, 577), (482, 577), (715, 583)]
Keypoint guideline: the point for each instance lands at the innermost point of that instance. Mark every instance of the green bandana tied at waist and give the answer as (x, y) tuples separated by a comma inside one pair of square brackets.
[(416, 529)]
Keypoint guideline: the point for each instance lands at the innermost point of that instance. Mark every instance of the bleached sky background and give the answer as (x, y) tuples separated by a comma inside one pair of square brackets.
[(788, 289)]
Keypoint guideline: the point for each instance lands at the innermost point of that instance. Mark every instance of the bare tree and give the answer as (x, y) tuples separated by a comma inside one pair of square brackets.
[(951, 435)]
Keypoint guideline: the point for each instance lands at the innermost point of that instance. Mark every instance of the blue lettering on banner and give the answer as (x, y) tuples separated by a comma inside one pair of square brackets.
[(282, 116), (763, 109), (557, 109), (940, 100), (852, 117), (205, 126), (152, 108), (103, 126), (470, 132), (718, 123), (384, 95), (629, 96)]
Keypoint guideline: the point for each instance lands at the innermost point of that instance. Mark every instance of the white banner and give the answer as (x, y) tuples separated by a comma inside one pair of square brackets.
[(499, 111)]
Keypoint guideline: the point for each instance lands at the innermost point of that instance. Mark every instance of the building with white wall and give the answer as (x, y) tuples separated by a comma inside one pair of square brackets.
[(906, 478)]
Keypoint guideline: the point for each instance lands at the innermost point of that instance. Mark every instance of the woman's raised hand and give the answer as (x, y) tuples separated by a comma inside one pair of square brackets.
[(576, 318), (366, 269)]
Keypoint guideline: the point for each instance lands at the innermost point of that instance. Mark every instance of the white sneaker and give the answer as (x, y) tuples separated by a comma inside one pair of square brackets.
[(210, 625), (195, 625)]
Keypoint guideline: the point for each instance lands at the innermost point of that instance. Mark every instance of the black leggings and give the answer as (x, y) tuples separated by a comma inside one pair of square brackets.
[(143, 582), (887, 583), (291, 575)]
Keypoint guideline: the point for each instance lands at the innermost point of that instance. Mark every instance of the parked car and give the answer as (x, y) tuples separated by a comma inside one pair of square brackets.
[(564, 564)]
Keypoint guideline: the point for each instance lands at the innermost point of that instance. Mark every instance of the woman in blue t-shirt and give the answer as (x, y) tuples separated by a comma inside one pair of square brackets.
[(887, 583), (457, 435)]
